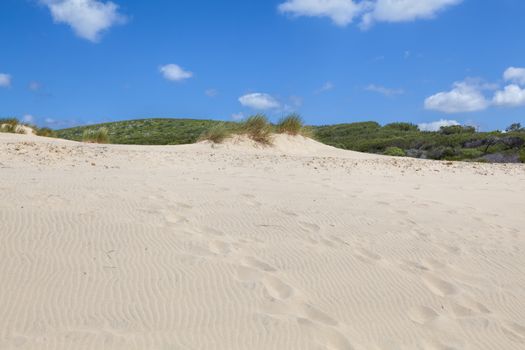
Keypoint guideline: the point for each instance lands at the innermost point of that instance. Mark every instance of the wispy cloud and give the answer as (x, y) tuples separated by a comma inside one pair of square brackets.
[(327, 86), (384, 90), (344, 12), (5, 80)]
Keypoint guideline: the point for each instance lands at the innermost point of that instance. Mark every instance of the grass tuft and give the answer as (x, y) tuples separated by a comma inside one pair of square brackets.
[(292, 125), (11, 125), (100, 135), (257, 128), (216, 134), (45, 132)]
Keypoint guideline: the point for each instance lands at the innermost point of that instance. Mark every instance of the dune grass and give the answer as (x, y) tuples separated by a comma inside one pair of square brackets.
[(11, 125), (100, 135), (216, 134), (292, 125), (258, 128)]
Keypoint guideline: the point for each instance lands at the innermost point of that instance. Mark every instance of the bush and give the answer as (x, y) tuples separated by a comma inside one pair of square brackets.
[(257, 128), (291, 125), (402, 126), (394, 152), (522, 155), (45, 132), (216, 134), (96, 136), (457, 129)]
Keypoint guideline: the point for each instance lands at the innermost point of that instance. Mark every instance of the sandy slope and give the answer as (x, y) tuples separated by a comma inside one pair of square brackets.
[(234, 247)]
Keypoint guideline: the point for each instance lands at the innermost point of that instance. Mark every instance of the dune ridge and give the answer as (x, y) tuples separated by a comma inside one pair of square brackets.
[(234, 246)]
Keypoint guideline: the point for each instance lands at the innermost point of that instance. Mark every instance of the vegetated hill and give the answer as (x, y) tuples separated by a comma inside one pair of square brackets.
[(397, 139), (404, 139), (147, 131)]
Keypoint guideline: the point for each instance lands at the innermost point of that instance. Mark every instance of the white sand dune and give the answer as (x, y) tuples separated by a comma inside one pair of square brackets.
[(299, 246)]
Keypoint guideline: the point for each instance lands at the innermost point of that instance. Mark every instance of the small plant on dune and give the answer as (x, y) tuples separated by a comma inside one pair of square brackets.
[(257, 128), (216, 134), (100, 135), (522, 155), (292, 125)]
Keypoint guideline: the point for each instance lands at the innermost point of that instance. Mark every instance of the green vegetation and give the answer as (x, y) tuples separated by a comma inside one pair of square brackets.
[(450, 143), (291, 124), (99, 135), (257, 127), (394, 152), (148, 131), (216, 134), (45, 132), (522, 155)]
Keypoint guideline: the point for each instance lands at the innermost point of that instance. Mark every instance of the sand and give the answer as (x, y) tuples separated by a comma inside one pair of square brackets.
[(236, 246)]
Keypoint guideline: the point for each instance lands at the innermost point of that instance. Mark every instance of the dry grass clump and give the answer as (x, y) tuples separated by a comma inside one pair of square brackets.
[(100, 135), (11, 125), (292, 125), (216, 134), (257, 128)]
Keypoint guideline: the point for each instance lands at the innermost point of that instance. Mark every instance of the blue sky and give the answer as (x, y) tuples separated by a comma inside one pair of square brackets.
[(69, 62)]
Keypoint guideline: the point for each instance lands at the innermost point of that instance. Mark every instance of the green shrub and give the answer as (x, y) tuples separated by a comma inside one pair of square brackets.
[(45, 132), (216, 134), (470, 153), (522, 155), (402, 126), (291, 124), (257, 128), (457, 129), (100, 135), (394, 152)]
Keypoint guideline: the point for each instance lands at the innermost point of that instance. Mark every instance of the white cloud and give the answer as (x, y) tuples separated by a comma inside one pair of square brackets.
[(259, 101), (88, 18), (405, 10), (237, 116), (174, 72), (326, 87), (28, 118), (384, 90), (34, 86), (343, 12), (515, 75), (49, 121), (435, 126), (511, 96), (5, 80), (464, 97)]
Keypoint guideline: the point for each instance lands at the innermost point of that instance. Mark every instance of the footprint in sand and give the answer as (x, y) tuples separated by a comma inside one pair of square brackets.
[(276, 288), (367, 256), (422, 314), (220, 247), (327, 337), (309, 227), (257, 264), (438, 286), (514, 331)]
